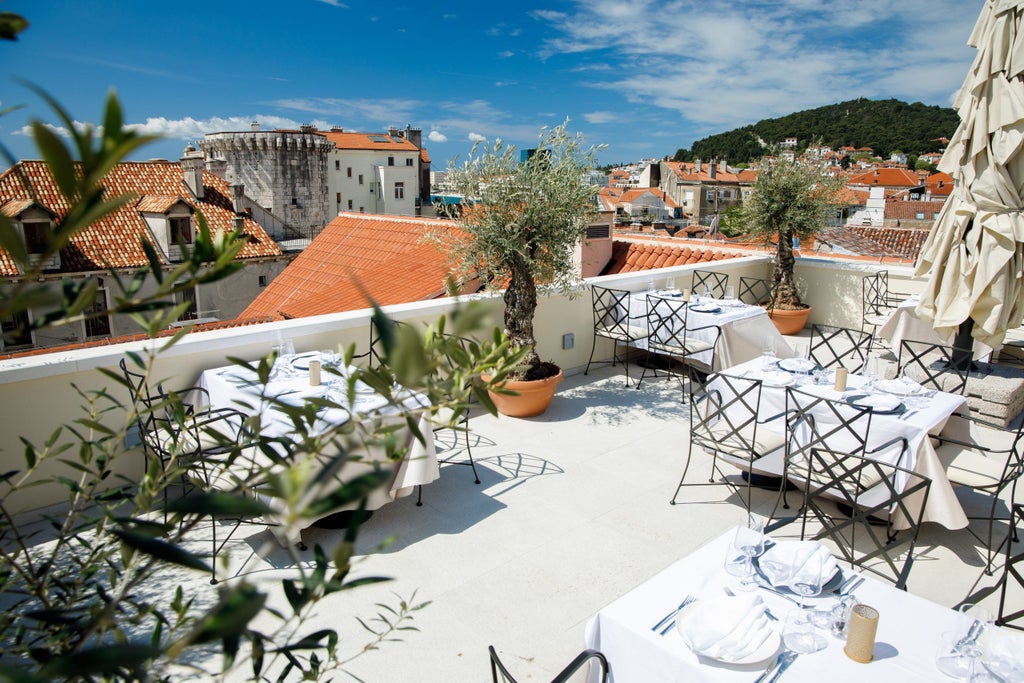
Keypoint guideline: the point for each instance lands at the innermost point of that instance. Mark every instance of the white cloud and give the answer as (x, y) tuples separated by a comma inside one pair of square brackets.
[(505, 54), (437, 136), (189, 128), (475, 137), (371, 110), (335, 3), (601, 117)]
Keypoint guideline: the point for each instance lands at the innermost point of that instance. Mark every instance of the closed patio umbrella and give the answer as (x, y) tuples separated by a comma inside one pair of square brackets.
[(974, 255)]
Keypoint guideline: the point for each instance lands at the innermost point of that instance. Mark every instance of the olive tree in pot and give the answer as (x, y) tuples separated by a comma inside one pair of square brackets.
[(789, 199), (520, 221)]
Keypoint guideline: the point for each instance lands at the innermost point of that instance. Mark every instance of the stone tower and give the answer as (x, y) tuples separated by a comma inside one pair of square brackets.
[(284, 171)]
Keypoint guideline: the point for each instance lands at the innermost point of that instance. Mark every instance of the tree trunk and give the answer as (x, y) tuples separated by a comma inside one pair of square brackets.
[(785, 287), (520, 306)]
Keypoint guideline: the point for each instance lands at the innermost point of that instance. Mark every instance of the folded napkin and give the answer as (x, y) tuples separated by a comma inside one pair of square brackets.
[(901, 386), (882, 402), (797, 364), (788, 561), (727, 628), (776, 379)]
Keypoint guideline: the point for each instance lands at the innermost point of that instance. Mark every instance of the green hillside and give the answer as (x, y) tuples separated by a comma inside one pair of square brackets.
[(884, 125)]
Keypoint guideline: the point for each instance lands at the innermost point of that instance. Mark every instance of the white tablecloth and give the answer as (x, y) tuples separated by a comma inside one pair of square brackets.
[(909, 629), (915, 425), (904, 324), (743, 331), (228, 388)]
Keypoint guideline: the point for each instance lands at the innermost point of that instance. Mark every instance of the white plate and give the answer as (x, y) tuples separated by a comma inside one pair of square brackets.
[(879, 402), (768, 649), (705, 308), (797, 364), (898, 387), (777, 379)]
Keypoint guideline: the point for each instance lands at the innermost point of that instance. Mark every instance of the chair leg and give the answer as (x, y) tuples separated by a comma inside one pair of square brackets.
[(469, 451), (213, 557), (593, 347)]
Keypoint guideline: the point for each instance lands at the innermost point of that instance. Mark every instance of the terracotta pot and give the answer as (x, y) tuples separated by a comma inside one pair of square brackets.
[(789, 322), (533, 398)]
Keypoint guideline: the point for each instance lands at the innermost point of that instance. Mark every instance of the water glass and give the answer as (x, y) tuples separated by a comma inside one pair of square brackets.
[(327, 357), (749, 543), (799, 635), (730, 292), (960, 650), (671, 284)]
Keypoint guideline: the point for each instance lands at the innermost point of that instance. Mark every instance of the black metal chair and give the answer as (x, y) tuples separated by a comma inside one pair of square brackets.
[(498, 668), (1013, 570), (725, 423), (755, 291), (669, 335), (710, 279), (990, 469), (855, 483), (839, 347), (876, 304), (612, 321), (931, 366)]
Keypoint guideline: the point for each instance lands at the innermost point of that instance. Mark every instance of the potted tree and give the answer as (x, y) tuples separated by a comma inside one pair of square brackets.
[(520, 221), (790, 201)]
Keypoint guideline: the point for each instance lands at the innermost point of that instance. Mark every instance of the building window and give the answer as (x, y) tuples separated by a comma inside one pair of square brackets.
[(360, 178), (408, 162), (17, 332), (710, 195), (338, 197), (189, 296), (36, 235), (920, 215), (181, 230), (361, 209), (399, 190), (349, 171), (337, 164), (97, 322), (350, 205), (262, 280), (391, 161)]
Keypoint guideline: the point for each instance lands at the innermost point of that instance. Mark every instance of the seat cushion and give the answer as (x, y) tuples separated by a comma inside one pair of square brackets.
[(693, 346), (763, 440), (968, 467), (629, 333)]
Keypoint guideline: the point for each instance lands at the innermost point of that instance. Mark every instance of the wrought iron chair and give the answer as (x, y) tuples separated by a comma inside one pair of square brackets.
[(710, 279), (669, 335), (612, 321), (990, 469), (839, 346), (725, 423), (755, 291), (498, 669), (876, 305), (855, 483), (932, 366)]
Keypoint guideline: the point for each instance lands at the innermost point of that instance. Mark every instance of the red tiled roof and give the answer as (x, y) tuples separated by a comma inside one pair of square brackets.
[(630, 256), (377, 141), (888, 177), (908, 210), (634, 194), (688, 171), (940, 184), (358, 256), (903, 243), (115, 241)]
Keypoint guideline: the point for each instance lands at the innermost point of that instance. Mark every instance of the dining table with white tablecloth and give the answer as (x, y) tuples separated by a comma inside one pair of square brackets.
[(919, 417), (905, 646), (744, 329), (236, 387), (904, 323)]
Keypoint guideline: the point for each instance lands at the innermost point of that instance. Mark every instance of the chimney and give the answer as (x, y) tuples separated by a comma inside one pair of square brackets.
[(192, 163), (697, 166), (712, 169), (237, 193), (255, 126), (307, 128), (723, 166)]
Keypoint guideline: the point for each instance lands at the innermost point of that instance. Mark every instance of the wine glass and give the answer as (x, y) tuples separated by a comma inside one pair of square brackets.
[(671, 284), (749, 542), (799, 635), (961, 649), (730, 292), (767, 353), (807, 580)]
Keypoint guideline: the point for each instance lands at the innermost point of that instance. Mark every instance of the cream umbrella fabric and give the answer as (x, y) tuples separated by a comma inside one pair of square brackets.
[(974, 255)]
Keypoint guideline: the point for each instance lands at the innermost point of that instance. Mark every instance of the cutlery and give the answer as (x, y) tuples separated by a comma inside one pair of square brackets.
[(686, 601), (765, 586), (850, 585), (672, 622), (784, 656), (782, 668)]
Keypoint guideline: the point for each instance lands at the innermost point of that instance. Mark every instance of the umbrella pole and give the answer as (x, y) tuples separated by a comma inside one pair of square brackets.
[(963, 347)]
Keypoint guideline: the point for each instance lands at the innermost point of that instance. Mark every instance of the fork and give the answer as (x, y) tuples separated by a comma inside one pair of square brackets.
[(668, 621)]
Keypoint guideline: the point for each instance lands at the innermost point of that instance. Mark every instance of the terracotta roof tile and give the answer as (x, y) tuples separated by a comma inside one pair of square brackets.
[(630, 256), (115, 241), (376, 141), (887, 177)]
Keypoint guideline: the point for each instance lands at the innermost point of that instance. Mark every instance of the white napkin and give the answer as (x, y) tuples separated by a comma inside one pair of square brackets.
[(797, 364), (786, 561), (727, 628), (877, 401), (901, 386), (777, 379)]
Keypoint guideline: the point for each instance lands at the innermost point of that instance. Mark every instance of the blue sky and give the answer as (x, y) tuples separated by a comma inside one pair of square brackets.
[(642, 77)]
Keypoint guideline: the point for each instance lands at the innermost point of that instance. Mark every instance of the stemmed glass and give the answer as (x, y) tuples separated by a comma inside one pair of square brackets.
[(959, 659), (767, 353), (806, 582), (749, 543)]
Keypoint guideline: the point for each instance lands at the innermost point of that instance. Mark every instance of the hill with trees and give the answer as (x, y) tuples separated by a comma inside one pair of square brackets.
[(884, 125)]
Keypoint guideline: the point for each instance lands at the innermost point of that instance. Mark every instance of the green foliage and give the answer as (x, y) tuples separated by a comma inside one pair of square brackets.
[(883, 125), (98, 591), (788, 199), (522, 222)]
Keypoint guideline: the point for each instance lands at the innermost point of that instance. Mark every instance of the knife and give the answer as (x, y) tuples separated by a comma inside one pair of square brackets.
[(771, 667), (782, 668)]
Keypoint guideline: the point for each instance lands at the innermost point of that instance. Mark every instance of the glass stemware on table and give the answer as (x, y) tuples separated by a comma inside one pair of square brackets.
[(748, 543), (800, 632), (960, 650)]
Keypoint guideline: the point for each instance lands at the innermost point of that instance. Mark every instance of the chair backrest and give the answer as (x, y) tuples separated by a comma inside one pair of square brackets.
[(376, 355), (666, 324), (727, 422), (713, 280), (611, 311), (755, 291), (839, 346), (498, 668), (875, 293), (931, 365)]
